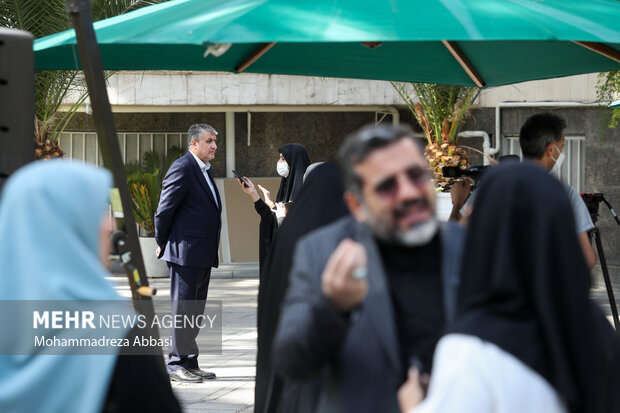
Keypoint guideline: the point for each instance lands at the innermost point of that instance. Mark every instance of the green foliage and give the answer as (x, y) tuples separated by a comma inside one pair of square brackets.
[(440, 110), (608, 90), (45, 17), (145, 180)]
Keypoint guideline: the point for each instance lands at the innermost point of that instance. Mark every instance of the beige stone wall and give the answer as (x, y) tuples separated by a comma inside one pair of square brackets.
[(196, 88), (242, 219), (152, 89), (581, 88)]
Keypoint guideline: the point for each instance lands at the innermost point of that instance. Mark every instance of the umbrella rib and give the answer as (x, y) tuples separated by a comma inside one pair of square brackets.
[(601, 49), (254, 56), (460, 57)]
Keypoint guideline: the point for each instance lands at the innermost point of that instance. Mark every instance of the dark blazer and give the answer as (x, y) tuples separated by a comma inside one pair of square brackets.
[(188, 221), (357, 356)]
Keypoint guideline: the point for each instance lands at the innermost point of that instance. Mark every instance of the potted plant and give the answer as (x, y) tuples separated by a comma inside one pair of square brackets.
[(145, 180), (440, 110)]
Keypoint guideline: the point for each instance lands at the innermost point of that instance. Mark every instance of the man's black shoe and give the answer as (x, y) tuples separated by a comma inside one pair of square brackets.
[(184, 376), (204, 374)]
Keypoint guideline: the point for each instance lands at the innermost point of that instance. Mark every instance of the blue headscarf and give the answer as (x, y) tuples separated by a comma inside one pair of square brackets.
[(50, 216)]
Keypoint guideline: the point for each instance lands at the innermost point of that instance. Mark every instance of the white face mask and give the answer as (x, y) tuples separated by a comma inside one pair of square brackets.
[(558, 162), (282, 169)]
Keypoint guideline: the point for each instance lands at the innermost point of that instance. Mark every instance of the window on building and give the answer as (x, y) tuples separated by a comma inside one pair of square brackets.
[(83, 146), (572, 170)]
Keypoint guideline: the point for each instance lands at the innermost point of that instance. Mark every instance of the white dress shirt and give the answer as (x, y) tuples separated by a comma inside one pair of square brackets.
[(204, 168)]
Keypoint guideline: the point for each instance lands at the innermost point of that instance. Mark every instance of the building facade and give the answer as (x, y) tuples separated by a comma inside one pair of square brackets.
[(256, 114)]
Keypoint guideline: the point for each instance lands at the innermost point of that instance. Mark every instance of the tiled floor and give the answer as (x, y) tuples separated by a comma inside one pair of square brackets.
[(233, 390), (599, 291)]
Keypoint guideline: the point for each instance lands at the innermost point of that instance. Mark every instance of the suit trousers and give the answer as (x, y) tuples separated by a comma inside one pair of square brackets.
[(188, 295)]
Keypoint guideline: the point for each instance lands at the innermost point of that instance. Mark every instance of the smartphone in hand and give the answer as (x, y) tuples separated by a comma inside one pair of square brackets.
[(424, 377), (240, 178)]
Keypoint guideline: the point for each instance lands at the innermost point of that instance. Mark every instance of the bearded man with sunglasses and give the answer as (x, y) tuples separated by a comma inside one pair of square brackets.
[(370, 294)]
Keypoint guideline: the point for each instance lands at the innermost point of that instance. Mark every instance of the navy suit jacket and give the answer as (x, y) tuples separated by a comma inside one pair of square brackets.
[(188, 221)]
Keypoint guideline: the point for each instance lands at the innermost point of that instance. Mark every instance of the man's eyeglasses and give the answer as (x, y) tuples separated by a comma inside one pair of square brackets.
[(388, 187)]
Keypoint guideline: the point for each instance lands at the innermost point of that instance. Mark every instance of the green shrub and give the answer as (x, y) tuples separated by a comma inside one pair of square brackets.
[(144, 180)]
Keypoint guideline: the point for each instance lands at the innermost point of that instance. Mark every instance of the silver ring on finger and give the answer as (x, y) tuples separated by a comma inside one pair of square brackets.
[(360, 273)]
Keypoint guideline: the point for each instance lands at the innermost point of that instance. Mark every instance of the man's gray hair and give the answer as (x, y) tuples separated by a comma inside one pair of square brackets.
[(360, 144), (196, 131)]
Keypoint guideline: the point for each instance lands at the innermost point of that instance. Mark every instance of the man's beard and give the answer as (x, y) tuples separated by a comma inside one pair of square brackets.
[(418, 234)]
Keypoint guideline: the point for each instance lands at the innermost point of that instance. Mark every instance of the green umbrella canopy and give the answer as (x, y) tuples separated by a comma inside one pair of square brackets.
[(489, 42)]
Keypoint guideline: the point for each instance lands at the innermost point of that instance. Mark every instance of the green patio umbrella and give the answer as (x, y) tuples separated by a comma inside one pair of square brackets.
[(484, 42)]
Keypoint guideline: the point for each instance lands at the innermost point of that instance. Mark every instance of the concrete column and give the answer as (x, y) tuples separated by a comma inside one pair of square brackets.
[(230, 144)]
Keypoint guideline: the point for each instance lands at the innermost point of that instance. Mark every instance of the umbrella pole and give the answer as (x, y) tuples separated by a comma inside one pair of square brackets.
[(79, 11)]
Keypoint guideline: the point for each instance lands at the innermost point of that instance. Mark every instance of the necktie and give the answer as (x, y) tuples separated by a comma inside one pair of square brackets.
[(212, 185)]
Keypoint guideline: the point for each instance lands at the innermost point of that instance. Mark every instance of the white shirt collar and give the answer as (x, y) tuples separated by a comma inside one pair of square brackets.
[(203, 167)]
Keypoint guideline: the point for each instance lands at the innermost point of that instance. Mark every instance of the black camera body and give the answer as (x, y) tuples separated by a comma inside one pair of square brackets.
[(592, 202), (475, 172)]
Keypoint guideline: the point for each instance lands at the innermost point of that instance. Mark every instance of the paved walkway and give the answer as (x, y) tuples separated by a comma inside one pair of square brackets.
[(599, 291), (233, 390)]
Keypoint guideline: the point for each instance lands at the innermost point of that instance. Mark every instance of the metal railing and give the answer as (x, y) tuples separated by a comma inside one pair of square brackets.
[(83, 146)]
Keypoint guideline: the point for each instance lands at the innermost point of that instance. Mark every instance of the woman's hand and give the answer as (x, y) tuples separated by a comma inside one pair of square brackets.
[(267, 196), (412, 392), (250, 189), (280, 210)]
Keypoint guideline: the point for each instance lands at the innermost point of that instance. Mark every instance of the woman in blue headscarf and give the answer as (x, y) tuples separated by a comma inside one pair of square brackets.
[(55, 245)]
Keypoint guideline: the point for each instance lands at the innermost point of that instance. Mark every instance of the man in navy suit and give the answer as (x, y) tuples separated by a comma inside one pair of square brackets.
[(187, 231)]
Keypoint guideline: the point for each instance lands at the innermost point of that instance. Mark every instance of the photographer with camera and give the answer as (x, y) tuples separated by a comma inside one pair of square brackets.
[(542, 141)]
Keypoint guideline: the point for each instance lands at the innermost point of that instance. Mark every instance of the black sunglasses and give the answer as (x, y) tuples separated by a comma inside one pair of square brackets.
[(417, 175)]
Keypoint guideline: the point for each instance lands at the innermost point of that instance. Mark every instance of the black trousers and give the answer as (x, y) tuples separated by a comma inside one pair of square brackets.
[(188, 295)]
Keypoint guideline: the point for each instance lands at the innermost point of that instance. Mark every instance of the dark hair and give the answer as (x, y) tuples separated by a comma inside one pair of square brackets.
[(538, 132), (361, 143)]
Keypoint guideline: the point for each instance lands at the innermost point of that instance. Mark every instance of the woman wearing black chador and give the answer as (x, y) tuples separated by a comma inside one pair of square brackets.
[(320, 202), (527, 336)]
